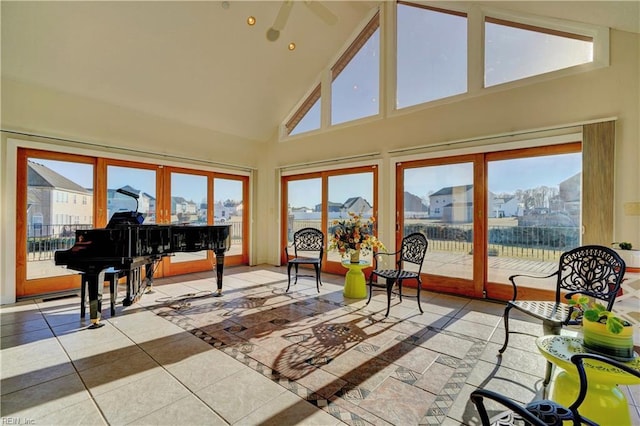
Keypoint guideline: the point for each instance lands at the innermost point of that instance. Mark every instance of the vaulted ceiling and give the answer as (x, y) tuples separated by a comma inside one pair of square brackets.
[(200, 63)]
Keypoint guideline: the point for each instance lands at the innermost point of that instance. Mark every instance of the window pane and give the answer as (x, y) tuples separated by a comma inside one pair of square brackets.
[(351, 193), (310, 121), (188, 207), (138, 181), (513, 53), (304, 205), (355, 91), (432, 55), (60, 201), (534, 215), (228, 208), (439, 203)]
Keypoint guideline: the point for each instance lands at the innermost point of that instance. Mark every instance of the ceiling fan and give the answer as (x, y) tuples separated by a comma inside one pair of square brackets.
[(316, 7)]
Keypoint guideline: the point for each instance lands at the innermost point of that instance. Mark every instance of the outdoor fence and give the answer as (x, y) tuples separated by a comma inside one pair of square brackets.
[(531, 242)]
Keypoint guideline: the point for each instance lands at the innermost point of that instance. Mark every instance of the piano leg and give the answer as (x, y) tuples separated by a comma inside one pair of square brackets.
[(219, 271), (95, 283)]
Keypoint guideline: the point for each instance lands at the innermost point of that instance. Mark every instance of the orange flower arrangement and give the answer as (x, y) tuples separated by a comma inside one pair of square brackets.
[(354, 234)]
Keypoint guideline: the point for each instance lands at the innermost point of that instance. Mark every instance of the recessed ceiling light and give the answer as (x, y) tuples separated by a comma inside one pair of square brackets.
[(225, 5), (292, 46), (251, 20)]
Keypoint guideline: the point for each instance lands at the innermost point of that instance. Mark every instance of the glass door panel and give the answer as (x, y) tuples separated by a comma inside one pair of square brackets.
[(59, 201), (304, 205), (438, 201), (534, 207), (188, 207), (141, 182), (228, 208), (349, 193)]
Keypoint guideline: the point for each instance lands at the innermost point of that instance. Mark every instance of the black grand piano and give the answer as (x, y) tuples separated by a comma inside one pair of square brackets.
[(127, 247)]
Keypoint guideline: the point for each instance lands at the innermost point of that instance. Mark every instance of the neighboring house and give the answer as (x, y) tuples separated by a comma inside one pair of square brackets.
[(55, 203), (331, 207), (357, 205), (504, 206), (117, 202), (454, 200), (414, 204), (183, 210), (571, 194), (223, 211)]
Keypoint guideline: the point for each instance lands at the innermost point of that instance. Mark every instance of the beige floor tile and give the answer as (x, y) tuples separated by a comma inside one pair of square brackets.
[(36, 402), (186, 411), (84, 413), (238, 395), (204, 369), (287, 409), (119, 373), (141, 397)]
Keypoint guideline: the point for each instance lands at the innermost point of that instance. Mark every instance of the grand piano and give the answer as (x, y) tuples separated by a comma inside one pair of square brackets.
[(128, 247)]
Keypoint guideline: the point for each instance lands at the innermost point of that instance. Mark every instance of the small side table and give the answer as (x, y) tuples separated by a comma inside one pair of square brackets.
[(604, 403), (355, 285)]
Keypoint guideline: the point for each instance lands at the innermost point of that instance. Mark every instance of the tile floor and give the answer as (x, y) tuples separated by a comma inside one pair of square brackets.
[(259, 355)]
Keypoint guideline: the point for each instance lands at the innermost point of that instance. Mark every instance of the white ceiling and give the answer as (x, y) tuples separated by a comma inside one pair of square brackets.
[(198, 62)]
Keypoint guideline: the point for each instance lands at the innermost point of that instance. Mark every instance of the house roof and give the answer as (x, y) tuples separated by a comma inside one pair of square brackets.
[(198, 62), (448, 190), (42, 176)]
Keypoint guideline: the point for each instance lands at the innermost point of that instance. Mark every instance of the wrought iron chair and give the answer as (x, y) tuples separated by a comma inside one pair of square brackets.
[(412, 251), (308, 249), (591, 270), (544, 412)]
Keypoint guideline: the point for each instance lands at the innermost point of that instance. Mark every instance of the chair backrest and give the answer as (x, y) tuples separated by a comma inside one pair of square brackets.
[(594, 270), (413, 250), (308, 240)]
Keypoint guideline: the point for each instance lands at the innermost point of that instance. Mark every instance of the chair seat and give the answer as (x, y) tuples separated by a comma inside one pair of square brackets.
[(548, 311), (395, 274), (305, 260)]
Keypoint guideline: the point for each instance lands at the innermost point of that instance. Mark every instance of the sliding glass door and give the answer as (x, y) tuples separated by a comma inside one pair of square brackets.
[(316, 199), (59, 193), (438, 198), (490, 216)]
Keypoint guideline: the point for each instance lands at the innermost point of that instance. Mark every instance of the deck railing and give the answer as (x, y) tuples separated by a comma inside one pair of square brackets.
[(531, 242), (44, 240)]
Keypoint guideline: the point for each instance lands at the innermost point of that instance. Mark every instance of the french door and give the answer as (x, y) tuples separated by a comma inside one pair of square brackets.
[(489, 216), (59, 193), (316, 199)]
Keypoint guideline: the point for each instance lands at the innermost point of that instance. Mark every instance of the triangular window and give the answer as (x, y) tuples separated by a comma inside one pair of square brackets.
[(307, 117)]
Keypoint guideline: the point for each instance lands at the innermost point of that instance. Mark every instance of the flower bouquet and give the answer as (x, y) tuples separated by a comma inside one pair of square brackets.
[(354, 235)]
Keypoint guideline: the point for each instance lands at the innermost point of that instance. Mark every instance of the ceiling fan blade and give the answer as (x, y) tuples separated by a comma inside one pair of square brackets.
[(283, 15), (322, 12)]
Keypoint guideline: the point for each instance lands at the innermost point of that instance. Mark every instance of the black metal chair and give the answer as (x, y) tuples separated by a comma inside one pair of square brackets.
[(544, 412), (412, 251), (592, 270), (308, 249)]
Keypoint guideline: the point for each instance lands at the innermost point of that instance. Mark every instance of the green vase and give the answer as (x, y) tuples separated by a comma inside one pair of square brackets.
[(599, 340)]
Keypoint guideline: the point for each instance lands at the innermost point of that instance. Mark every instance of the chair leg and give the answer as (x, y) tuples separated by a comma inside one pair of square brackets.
[(288, 277), (390, 283), (317, 268), (400, 289), (370, 288), (506, 329), (419, 286), (547, 378), (295, 280)]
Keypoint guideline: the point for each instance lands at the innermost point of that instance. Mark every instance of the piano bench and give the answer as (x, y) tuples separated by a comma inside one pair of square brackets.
[(111, 275)]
